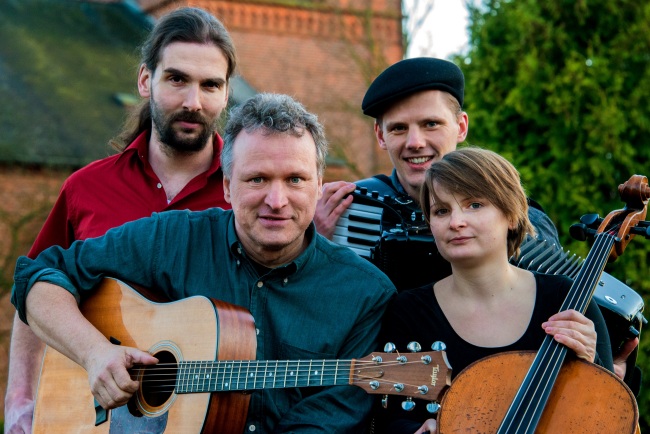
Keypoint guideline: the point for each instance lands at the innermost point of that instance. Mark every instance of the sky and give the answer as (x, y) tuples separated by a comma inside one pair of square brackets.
[(444, 31)]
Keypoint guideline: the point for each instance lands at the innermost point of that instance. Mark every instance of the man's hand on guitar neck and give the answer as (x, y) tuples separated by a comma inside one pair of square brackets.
[(331, 205)]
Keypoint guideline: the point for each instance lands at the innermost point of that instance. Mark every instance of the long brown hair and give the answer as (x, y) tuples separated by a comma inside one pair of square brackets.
[(192, 25)]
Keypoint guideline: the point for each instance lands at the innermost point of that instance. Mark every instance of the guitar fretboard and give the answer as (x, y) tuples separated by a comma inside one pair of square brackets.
[(222, 376)]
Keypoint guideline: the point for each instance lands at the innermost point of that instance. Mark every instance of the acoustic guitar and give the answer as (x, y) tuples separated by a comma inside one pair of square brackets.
[(206, 370)]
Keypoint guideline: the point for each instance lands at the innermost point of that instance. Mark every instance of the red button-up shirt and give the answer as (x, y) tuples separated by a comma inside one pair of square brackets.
[(119, 189)]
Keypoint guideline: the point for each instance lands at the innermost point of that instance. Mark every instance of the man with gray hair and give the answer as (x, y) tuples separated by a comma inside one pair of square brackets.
[(264, 255)]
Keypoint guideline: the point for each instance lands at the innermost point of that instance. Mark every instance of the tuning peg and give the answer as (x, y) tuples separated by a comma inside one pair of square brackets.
[(414, 347), (384, 401), (433, 407), (389, 347), (438, 346), (642, 229), (423, 389), (408, 405), (591, 220), (586, 228), (580, 231)]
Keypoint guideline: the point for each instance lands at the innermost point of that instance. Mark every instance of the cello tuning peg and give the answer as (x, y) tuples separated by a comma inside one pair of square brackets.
[(414, 347), (389, 347), (641, 229), (433, 407), (580, 231), (408, 405), (591, 220), (438, 346)]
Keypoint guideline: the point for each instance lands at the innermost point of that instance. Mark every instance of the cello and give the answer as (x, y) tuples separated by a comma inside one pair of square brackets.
[(525, 392)]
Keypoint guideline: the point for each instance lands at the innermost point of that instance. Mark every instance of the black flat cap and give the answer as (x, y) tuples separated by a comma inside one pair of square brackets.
[(410, 76)]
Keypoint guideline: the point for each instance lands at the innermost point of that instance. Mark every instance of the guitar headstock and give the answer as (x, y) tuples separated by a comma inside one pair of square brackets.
[(423, 375)]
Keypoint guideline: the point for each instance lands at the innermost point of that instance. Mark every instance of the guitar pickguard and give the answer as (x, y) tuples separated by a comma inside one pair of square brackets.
[(122, 421)]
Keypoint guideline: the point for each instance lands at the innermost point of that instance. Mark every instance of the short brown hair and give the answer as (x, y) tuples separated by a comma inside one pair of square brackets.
[(476, 172)]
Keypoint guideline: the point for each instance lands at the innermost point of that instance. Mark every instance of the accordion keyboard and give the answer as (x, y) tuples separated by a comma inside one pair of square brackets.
[(359, 228)]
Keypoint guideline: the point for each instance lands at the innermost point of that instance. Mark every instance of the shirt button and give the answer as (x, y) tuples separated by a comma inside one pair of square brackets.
[(251, 428), (159, 185), (286, 280), (260, 284)]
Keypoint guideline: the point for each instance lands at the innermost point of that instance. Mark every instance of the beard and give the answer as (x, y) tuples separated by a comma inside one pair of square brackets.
[(176, 140)]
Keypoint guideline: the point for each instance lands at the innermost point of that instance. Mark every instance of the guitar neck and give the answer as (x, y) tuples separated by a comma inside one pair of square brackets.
[(240, 375)]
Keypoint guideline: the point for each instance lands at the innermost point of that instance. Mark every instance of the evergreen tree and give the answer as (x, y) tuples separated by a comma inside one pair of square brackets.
[(562, 89)]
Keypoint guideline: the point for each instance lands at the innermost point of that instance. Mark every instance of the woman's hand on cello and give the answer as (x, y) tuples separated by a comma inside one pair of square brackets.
[(575, 331)]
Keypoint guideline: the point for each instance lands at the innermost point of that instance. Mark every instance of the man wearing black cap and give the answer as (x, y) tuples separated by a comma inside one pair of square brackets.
[(417, 106)]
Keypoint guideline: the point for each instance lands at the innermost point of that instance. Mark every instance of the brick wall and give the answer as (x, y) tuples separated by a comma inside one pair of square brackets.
[(26, 198), (322, 54)]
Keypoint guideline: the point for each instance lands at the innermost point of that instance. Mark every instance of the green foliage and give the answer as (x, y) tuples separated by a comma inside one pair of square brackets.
[(561, 88)]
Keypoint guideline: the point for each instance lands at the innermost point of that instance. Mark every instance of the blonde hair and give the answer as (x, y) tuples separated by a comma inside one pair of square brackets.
[(476, 172)]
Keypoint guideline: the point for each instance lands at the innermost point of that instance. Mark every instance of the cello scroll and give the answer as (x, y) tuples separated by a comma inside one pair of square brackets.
[(635, 192)]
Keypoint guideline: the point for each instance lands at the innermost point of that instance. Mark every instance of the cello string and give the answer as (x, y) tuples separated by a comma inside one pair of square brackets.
[(555, 357), (558, 351)]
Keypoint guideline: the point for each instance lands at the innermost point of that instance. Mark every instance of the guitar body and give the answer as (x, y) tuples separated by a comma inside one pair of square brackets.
[(586, 398), (189, 329)]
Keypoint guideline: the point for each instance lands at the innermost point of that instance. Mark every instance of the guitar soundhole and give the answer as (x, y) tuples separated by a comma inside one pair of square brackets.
[(159, 380)]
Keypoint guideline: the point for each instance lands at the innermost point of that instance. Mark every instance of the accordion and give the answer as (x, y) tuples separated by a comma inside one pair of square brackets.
[(390, 231)]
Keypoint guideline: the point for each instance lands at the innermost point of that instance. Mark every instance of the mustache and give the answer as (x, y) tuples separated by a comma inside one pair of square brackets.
[(193, 117)]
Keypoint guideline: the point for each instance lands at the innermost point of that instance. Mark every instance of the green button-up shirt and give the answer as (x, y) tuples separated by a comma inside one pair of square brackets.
[(326, 304)]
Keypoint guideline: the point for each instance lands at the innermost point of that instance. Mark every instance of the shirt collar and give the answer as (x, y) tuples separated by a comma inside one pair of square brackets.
[(140, 147), (396, 185), (238, 251)]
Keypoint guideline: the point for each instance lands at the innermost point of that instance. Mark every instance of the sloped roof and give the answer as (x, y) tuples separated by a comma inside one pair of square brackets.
[(62, 62), (66, 66)]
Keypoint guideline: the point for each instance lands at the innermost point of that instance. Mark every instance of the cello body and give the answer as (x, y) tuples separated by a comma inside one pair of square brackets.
[(546, 391), (586, 398)]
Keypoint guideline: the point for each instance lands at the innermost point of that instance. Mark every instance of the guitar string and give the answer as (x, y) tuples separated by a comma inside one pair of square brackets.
[(300, 378)]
